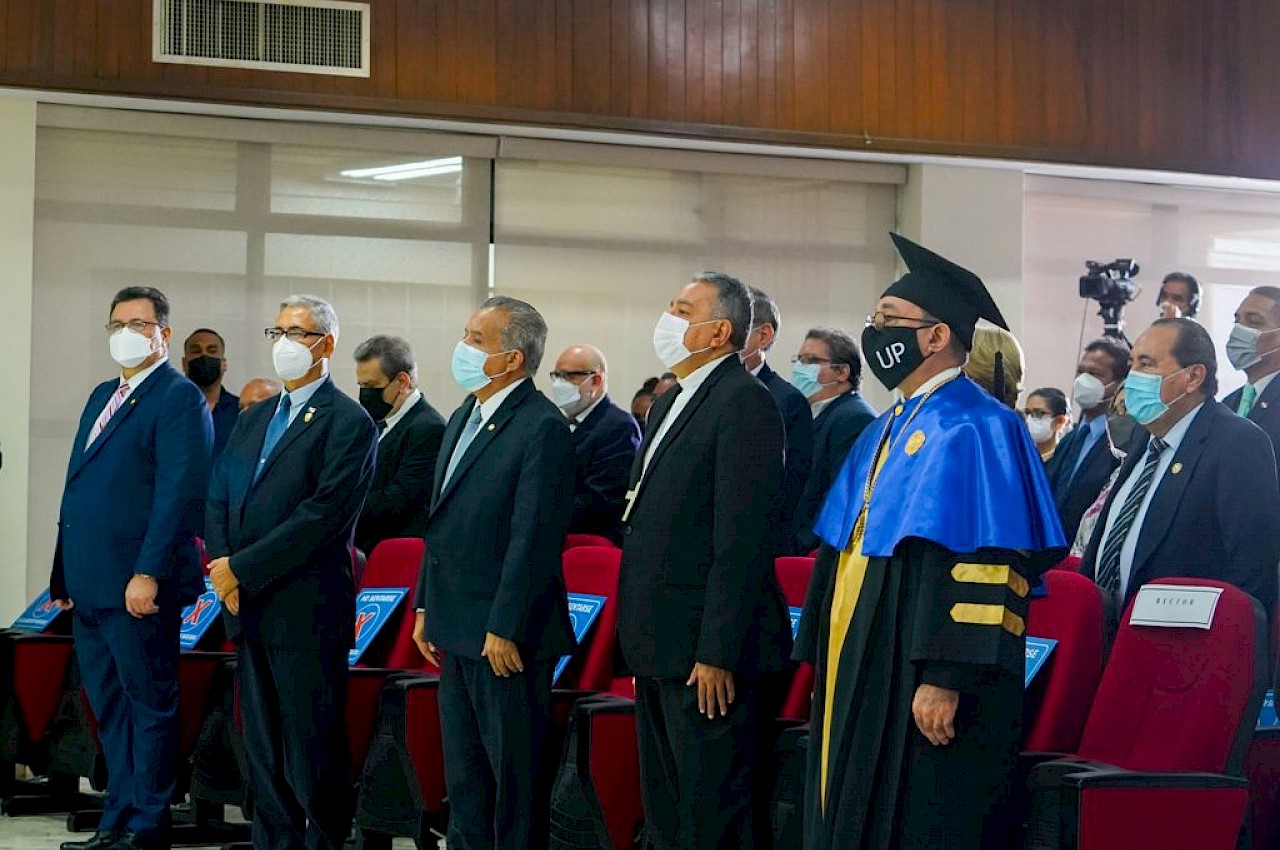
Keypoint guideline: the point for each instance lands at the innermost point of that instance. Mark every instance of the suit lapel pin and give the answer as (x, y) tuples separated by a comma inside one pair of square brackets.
[(492, 427), (133, 401), (1262, 404), (311, 411), (1176, 468)]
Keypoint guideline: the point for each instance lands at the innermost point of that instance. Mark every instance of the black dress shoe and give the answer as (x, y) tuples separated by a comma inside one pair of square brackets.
[(100, 841), (134, 841)]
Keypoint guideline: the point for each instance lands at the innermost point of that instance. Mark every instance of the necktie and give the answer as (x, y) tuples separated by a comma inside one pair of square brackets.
[(468, 434), (275, 430), (1247, 398), (117, 399), (1109, 564)]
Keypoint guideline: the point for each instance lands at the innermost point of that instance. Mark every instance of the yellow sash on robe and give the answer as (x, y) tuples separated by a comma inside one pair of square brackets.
[(850, 572)]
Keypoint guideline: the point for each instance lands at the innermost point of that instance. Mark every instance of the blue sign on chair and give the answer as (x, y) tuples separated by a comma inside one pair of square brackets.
[(583, 611), (795, 621), (199, 616), (374, 608), (1267, 717), (1038, 652), (39, 614)]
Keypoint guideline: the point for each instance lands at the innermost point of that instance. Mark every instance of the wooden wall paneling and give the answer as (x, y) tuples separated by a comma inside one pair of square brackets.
[(697, 85), (562, 53), (811, 67), (659, 86), (591, 57), (4, 32), (674, 71), (638, 62), (19, 35), (766, 65), (619, 57), (747, 72)]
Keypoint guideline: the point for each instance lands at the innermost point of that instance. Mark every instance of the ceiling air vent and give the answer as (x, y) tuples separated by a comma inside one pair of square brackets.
[(307, 36)]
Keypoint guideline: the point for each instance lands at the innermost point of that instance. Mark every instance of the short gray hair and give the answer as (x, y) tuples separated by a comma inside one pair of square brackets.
[(525, 331), (733, 302), (392, 353), (321, 311), (764, 310)]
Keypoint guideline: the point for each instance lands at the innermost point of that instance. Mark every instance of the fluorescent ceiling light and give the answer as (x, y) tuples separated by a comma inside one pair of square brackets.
[(408, 170)]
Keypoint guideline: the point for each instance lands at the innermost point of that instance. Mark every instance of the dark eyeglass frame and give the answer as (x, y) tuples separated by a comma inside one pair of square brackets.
[(135, 325), (880, 321), (295, 334), (569, 376), (810, 360)]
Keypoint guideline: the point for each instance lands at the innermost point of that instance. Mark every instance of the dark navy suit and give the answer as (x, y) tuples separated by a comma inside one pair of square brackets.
[(836, 429), (225, 415), (289, 538), (797, 423), (132, 504), (1265, 412), (1215, 517), (494, 538), (604, 446)]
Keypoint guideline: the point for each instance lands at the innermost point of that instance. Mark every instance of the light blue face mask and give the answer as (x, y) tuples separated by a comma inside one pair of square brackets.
[(804, 377), (468, 367), (1142, 396)]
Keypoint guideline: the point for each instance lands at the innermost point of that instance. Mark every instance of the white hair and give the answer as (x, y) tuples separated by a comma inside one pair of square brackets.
[(322, 312)]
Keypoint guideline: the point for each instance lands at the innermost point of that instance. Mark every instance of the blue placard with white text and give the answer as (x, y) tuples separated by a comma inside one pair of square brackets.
[(1038, 652), (795, 621), (374, 607), (1267, 717), (583, 611), (39, 614), (199, 616)]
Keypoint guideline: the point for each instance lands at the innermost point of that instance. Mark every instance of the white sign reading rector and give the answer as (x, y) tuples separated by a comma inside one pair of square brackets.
[(1175, 606)]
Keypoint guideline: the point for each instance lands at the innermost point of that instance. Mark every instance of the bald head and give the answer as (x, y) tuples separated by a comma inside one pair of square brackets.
[(259, 389), (585, 367)]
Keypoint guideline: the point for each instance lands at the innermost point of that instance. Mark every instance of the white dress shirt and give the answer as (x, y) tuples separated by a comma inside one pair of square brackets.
[(134, 383), (575, 421), (1124, 488), (490, 406), (689, 386), (394, 418)]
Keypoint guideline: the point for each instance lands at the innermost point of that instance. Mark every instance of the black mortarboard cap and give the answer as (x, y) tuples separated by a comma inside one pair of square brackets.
[(949, 292)]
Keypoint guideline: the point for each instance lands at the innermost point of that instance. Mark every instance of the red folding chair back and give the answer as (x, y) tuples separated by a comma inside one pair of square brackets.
[(593, 570), (1057, 704)]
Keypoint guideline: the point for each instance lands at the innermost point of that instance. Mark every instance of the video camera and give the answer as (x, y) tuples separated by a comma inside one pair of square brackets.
[(1111, 285)]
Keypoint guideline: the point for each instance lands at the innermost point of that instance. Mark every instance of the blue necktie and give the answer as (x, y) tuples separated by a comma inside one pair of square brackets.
[(468, 434), (275, 430)]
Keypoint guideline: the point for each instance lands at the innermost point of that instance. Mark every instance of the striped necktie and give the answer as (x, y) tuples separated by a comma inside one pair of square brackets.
[(1109, 564), (114, 404)]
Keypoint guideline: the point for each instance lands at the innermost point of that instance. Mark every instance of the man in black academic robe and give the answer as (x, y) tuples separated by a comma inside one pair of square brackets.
[(934, 533)]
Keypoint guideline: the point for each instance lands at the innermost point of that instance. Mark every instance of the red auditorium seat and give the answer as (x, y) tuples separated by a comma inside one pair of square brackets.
[(593, 570), (1057, 704), (1071, 563), (793, 577), (597, 790), (1161, 762), (402, 786), (574, 541)]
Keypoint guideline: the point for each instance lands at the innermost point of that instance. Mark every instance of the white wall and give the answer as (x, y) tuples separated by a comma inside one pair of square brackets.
[(17, 206)]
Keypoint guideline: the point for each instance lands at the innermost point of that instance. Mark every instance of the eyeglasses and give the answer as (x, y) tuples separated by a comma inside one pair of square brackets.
[(880, 321), (138, 326), (295, 334), (569, 376), (809, 360), (1037, 414)]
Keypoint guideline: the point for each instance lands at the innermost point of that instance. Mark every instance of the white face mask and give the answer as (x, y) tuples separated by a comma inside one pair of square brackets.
[(1087, 391), (129, 348), (565, 394), (1041, 429), (668, 339), (292, 359)]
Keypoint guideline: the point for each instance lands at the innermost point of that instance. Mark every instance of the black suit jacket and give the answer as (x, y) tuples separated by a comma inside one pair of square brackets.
[(1074, 496), (798, 428), (1215, 518), (289, 534), (1265, 413), (495, 532), (604, 447), (697, 581), (400, 496), (836, 429)]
